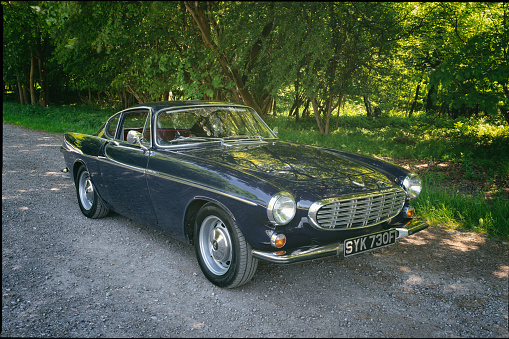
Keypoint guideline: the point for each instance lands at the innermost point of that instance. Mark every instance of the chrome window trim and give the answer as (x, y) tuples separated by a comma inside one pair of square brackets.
[(214, 140)]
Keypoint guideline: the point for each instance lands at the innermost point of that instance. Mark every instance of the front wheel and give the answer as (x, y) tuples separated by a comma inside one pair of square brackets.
[(89, 201), (224, 255)]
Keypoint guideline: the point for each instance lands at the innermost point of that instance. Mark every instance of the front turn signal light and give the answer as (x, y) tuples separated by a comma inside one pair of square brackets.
[(410, 212), (278, 240)]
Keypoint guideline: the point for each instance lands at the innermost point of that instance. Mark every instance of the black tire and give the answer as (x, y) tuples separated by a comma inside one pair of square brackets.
[(223, 253), (90, 203)]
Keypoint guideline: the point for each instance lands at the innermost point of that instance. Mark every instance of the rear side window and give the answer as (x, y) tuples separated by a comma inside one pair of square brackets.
[(135, 121), (112, 126)]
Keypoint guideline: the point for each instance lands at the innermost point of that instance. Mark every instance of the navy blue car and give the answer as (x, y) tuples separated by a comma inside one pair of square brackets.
[(214, 175)]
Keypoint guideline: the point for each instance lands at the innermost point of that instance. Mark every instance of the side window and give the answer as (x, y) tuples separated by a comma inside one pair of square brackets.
[(112, 126), (135, 121), (175, 124)]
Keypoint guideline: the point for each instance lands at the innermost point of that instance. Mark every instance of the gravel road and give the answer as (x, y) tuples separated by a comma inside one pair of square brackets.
[(64, 275)]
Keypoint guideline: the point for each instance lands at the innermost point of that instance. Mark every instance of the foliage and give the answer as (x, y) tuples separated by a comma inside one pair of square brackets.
[(442, 204), (26, 50), (18, 37), (261, 53), (463, 58)]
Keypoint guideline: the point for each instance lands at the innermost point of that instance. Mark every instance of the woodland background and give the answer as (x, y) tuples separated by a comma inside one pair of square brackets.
[(397, 58)]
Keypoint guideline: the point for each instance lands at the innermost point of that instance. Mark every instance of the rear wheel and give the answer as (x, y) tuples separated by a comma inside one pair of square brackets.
[(224, 256), (90, 204)]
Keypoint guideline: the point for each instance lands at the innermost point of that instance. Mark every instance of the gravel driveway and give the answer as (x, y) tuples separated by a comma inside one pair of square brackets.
[(64, 275)]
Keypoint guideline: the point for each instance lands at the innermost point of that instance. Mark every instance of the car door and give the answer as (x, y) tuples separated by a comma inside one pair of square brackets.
[(124, 168)]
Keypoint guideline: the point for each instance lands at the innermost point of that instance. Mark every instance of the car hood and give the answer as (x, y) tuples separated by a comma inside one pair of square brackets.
[(294, 162)]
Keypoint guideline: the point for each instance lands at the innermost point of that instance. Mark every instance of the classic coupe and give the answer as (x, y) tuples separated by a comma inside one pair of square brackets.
[(214, 175)]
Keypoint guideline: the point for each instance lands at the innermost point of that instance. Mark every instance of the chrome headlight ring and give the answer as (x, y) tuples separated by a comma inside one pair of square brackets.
[(412, 185), (281, 209)]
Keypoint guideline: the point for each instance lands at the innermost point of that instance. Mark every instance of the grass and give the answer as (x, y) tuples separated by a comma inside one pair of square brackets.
[(446, 205), (474, 152), (58, 119)]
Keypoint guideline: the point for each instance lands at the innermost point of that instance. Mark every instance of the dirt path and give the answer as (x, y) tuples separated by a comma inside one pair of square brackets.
[(64, 275)]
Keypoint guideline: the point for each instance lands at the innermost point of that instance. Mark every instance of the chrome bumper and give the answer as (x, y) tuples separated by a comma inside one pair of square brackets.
[(315, 252)]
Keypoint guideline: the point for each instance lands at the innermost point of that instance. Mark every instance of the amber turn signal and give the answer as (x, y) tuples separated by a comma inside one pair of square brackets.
[(410, 212), (278, 240)]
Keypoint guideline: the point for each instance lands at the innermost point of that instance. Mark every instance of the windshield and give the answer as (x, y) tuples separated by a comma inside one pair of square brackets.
[(203, 124)]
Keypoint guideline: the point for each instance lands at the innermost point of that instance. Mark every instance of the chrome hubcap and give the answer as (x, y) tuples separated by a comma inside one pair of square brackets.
[(215, 245), (86, 191)]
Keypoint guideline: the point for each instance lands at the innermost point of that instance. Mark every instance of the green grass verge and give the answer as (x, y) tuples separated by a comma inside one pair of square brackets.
[(58, 119), (444, 205)]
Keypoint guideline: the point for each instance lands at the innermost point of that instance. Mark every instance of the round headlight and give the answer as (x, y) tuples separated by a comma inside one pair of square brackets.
[(281, 209), (412, 185)]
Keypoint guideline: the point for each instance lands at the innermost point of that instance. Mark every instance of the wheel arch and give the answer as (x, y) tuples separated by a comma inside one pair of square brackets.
[(75, 168), (77, 164), (192, 210)]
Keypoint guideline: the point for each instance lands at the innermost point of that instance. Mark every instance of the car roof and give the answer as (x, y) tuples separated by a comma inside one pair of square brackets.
[(160, 105)]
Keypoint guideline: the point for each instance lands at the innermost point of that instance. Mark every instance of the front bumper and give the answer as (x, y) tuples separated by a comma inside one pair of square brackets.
[(317, 251)]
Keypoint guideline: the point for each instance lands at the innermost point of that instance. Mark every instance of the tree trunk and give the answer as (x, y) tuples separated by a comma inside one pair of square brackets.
[(230, 73), (429, 99), (32, 85), (25, 93), (329, 107), (328, 110), (369, 108), (305, 112), (340, 101), (504, 111), (296, 103), (20, 90), (130, 90), (415, 100), (43, 97), (318, 117)]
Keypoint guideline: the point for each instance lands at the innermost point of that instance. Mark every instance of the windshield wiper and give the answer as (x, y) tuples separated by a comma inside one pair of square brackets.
[(244, 137), (183, 140)]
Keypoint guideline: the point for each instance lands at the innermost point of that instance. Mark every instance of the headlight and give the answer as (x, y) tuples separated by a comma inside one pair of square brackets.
[(281, 209), (412, 185)]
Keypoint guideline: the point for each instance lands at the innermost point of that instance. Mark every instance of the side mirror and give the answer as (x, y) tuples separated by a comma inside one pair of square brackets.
[(133, 137)]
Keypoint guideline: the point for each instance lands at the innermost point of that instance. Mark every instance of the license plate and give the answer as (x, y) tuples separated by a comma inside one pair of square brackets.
[(369, 242)]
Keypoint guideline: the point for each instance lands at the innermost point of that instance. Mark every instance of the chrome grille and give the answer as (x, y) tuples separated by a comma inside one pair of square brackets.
[(357, 210)]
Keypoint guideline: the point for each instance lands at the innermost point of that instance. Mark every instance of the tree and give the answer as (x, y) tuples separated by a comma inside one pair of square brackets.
[(206, 17), (326, 47), (462, 57), (25, 49), (475, 75)]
